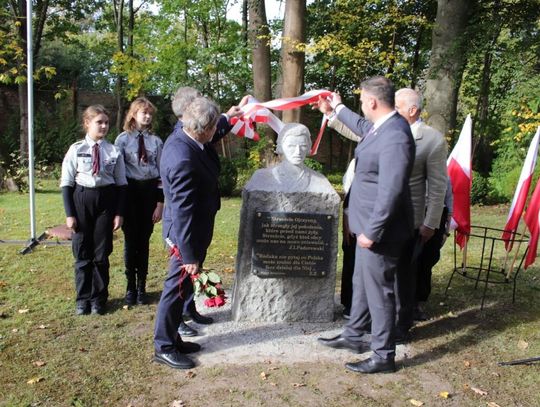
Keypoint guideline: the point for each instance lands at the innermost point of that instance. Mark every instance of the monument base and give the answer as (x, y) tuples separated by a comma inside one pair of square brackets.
[(286, 264)]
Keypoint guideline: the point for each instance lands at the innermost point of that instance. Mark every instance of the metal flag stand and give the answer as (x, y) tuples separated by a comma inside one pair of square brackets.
[(481, 260)]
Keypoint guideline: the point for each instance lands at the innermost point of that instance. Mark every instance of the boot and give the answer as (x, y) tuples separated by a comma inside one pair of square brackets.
[(131, 290), (142, 298)]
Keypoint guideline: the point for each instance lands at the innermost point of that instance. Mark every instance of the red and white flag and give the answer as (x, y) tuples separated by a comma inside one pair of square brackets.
[(522, 191), (460, 173), (257, 112), (531, 220)]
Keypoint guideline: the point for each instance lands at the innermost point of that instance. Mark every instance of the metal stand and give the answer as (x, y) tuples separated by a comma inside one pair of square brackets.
[(486, 261)]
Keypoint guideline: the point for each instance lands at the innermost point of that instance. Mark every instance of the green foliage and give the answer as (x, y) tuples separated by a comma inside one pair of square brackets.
[(227, 177), (480, 189), (314, 164), (16, 169)]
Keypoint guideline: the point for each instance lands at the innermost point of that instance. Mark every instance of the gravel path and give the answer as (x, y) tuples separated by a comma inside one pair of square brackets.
[(226, 341)]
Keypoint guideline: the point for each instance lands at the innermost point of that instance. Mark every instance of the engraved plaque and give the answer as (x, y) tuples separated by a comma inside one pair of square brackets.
[(291, 244)]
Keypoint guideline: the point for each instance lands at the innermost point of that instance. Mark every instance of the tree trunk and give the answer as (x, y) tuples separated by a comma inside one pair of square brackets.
[(446, 63), (481, 149), (259, 37), (293, 55), (416, 58), (23, 121), (119, 86)]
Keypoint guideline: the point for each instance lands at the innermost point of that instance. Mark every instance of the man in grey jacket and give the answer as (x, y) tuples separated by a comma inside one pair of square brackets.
[(428, 187)]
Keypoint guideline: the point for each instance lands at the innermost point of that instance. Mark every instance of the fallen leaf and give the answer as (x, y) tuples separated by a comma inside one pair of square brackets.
[(82, 350), (228, 270), (177, 403), (263, 375), (492, 404), (35, 380), (191, 374), (479, 391), (43, 326), (125, 307), (273, 384), (442, 304), (3, 284), (298, 385), (451, 315), (273, 368), (466, 363), (522, 344), (444, 395), (23, 311), (416, 403), (39, 363), (496, 374), (14, 330)]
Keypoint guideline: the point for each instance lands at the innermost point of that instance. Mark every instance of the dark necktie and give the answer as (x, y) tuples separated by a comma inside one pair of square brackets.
[(95, 159), (142, 150)]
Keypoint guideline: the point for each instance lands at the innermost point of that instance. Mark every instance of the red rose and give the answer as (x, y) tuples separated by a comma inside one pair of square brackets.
[(219, 300)]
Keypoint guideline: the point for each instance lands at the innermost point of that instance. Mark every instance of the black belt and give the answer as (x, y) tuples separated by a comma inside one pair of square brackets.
[(142, 182)]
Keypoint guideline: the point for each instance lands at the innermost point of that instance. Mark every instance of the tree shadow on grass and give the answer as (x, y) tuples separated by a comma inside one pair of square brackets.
[(468, 327)]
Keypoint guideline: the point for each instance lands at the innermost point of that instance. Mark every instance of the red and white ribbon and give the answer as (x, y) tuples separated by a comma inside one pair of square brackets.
[(257, 112)]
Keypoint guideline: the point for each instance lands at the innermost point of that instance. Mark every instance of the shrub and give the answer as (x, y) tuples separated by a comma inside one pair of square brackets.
[(228, 176), (480, 189)]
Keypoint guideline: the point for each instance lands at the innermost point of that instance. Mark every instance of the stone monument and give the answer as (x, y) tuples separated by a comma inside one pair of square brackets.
[(287, 245)]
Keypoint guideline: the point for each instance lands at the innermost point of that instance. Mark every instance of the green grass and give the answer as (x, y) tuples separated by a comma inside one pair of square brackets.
[(96, 361)]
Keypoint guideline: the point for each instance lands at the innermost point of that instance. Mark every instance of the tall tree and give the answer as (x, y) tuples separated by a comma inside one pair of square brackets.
[(52, 19), (293, 54), (259, 39), (446, 64)]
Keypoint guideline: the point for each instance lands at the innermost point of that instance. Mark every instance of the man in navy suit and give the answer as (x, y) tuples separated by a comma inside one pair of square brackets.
[(380, 215), (181, 100), (189, 172)]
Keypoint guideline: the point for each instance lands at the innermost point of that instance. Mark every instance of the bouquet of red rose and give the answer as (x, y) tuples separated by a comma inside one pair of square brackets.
[(209, 283), (206, 282)]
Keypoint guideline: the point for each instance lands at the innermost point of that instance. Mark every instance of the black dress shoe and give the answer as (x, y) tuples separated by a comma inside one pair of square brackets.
[(402, 337), (98, 309), (142, 298), (200, 319), (339, 342), (175, 360), (131, 297), (82, 309), (419, 315), (371, 365), (185, 330), (187, 347)]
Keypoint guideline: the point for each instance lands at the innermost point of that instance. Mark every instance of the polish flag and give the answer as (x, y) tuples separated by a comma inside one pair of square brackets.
[(531, 220), (522, 190), (460, 173)]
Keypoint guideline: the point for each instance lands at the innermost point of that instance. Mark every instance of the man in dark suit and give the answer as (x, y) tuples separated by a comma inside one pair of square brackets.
[(380, 215), (189, 172), (181, 100)]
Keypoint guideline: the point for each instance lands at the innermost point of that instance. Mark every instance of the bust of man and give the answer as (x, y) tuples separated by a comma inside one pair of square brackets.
[(291, 174)]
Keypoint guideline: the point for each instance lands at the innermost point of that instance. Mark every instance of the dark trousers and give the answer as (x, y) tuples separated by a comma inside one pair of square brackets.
[(176, 290), (92, 242), (349, 250), (430, 255), (138, 226), (406, 284), (373, 300)]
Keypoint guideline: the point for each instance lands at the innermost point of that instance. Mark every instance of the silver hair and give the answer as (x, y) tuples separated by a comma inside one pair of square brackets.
[(292, 129), (182, 98), (201, 115), (411, 97)]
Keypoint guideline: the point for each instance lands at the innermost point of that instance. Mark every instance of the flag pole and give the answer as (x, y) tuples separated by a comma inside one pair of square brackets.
[(517, 251)]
